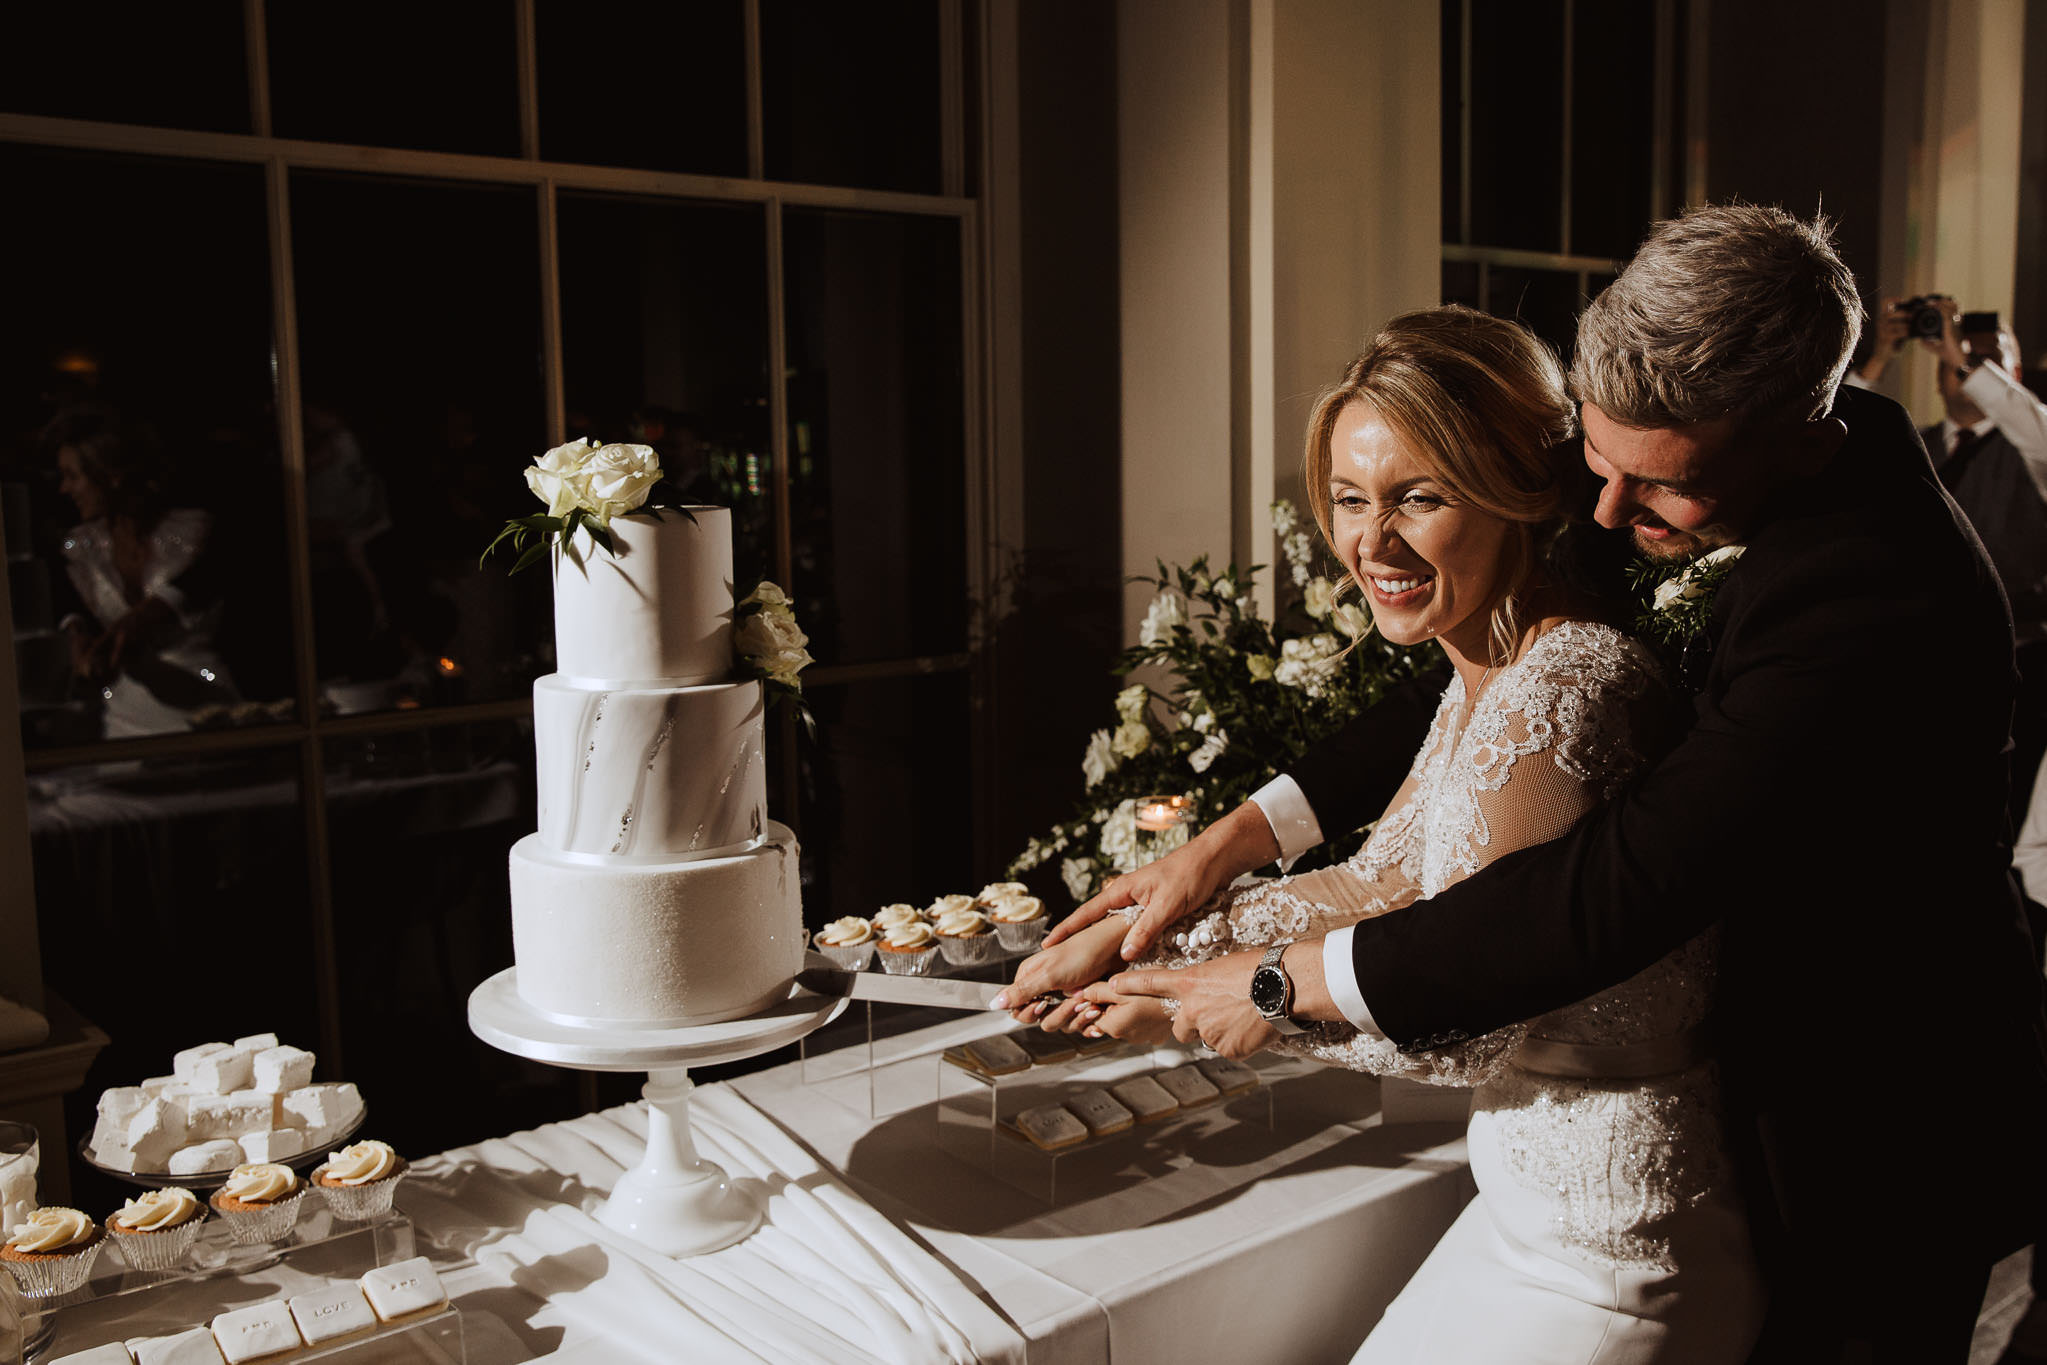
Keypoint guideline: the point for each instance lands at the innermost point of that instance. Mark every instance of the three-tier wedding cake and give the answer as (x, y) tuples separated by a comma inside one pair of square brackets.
[(656, 893)]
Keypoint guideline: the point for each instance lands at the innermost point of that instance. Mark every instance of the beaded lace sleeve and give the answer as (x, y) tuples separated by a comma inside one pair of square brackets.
[(1554, 734)]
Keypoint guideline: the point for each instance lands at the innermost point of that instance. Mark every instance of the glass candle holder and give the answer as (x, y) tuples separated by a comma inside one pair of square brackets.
[(1157, 814), (20, 1151)]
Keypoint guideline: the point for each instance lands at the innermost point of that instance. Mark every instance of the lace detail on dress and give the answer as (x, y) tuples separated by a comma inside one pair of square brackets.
[(1553, 734)]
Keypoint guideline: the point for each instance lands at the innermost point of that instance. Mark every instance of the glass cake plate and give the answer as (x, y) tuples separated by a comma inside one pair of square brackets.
[(206, 1180)]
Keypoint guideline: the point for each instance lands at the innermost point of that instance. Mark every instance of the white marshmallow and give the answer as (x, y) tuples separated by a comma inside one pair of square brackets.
[(332, 1313), (403, 1288), (329, 1105), (157, 1130), (261, 1329), (223, 1072), (183, 1062), (113, 1353), (256, 1042), (195, 1347), (107, 1131), (113, 1150), (275, 1145), (122, 1101), (217, 1155), (230, 1116), (278, 1069), (156, 1085)]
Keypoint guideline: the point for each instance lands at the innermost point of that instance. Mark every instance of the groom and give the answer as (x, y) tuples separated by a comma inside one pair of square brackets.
[(1836, 805)]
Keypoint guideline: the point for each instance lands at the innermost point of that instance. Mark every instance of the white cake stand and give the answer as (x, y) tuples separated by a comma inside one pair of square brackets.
[(673, 1201)]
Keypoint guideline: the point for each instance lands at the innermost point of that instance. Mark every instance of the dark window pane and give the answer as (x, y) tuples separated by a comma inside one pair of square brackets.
[(1517, 110), (1460, 283), (1613, 121), (665, 342), (656, 86), (172, 66), (850, 93), (419, 327), (163, 863), (1547, 300), (144, 509), (878, 484), (1452, 89), (884, 817), (378, 73), (442, 803)]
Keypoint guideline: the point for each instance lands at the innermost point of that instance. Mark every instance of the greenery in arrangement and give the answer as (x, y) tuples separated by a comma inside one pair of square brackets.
[(1237, 699), (1674, 599)]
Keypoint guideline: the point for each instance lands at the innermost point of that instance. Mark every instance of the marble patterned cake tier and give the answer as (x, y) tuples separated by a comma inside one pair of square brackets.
[(649, 772), (659, 610), (656, 945)]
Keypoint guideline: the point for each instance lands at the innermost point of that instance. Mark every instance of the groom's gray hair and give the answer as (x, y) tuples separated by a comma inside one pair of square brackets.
[(1730, 309)]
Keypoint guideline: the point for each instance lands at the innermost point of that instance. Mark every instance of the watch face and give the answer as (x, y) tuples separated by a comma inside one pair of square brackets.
[(1268, 991)]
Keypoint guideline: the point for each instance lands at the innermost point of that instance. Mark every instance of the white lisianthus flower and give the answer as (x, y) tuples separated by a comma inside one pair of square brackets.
[(1223, 587), (1099, 760), (1321, 596), (1300, 552), (1211, 749), (617, 479), (1284, 518), (1079, 875), (1131, 739), (1164, 613), (1352, 619), (1259, 666), (773, 643), (1720, 556), (1132, 702)]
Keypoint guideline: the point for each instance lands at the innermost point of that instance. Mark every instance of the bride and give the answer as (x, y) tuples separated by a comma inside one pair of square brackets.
[(1606, 1227)]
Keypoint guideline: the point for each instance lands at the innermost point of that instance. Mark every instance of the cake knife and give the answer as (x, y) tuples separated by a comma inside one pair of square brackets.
[(939, 991)]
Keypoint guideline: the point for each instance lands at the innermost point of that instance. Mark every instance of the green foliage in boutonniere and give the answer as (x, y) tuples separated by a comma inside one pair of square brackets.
[(1674, 600)]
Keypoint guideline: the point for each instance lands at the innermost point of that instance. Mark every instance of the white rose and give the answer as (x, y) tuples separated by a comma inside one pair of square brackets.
[(1321, 597), (770, 599), (617, 479), (1667, 593), (1211, 749), (1164, 613), (1100, 760), (1131, 738), (556, 478), (1352, 619), (775, 645), (1132, 702), (1721, 555), (1225, 588)]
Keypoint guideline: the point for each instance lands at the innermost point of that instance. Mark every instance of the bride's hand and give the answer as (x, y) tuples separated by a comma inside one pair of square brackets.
[(1080, 960), (1105, 1012), (1180, 883)]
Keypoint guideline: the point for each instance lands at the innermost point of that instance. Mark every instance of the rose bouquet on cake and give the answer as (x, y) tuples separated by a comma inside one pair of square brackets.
[(1216, 701)]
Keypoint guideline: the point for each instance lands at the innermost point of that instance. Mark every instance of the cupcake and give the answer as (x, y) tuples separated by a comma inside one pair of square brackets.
[(848, 942), (893, 916), (1020, 922), (359, 1180), (260, 1201), (945, 905), (966, 937), (908, 949), (52, 1252), (155, 1230), (995, 892)]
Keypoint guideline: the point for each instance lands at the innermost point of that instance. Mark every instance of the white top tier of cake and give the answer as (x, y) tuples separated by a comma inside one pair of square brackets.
[(659, 609)]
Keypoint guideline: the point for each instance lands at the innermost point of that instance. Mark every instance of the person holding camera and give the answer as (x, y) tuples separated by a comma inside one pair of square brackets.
[(1991, 452)]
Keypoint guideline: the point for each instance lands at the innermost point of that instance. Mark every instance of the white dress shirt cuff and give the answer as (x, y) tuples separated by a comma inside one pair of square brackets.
[(1340, 975), (1294, 827)]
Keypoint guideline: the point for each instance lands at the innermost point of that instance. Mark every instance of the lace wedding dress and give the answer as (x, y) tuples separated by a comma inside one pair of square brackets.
[(1606, 1228)]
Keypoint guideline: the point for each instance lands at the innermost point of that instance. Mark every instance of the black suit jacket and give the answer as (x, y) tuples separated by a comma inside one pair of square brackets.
[(1838, 806)]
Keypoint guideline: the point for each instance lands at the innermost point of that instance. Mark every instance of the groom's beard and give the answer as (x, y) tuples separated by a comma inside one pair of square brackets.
[(1673, 545)]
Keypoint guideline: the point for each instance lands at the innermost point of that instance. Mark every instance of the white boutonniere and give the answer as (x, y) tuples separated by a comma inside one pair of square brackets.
[(1675, 601)]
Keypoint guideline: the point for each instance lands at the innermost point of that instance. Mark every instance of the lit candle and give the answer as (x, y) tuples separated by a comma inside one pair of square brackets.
[(1157, 814)]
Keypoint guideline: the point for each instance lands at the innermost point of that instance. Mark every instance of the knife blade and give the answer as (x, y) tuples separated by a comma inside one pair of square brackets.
[(941, 992)]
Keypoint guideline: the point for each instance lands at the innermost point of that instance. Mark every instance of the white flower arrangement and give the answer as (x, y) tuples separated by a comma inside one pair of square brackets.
[(584, 485), (770, 643)]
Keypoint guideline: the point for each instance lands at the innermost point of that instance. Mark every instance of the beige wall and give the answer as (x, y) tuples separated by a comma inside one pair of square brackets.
[(1279, 200)]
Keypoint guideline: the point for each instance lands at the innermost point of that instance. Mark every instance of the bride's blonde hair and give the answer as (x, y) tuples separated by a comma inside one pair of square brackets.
[(1480, 402)]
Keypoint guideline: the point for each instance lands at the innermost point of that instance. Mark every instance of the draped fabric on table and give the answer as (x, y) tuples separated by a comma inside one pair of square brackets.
[(825, 1279)]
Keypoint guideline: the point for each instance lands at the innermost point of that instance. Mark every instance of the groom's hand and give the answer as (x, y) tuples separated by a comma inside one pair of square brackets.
[(1180, 883), (1214, 1002)]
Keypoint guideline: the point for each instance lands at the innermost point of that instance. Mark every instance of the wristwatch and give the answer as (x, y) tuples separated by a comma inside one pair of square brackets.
[(1272, 991)]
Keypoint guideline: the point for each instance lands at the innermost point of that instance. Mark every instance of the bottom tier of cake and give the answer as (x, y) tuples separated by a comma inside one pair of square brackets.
[(660, 944)]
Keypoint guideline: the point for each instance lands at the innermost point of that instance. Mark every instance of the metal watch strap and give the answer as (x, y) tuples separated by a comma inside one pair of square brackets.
[(1272, 961)]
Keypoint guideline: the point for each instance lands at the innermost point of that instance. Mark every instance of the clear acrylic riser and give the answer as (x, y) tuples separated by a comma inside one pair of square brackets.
[(319, 1245), (974, 1113)]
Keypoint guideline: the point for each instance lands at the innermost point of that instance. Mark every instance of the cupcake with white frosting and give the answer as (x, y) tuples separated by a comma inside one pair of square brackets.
[(848, 942), (1020, 922), (894, 916), (966, 936), (52, 1252), (909, 948), (945, 905), (358, 1181), (995, 892), (155, 1230), (260, 1201)]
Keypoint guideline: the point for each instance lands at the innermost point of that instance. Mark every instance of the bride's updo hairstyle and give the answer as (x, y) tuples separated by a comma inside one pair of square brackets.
[(1480, 403)]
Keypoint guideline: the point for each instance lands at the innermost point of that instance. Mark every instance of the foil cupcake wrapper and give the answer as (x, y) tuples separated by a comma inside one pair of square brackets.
[(1024, 937), (271, 1223), (853, 958), (969, 951), (158, 1250), (910, 964), (354, 1203), (48, 1279)]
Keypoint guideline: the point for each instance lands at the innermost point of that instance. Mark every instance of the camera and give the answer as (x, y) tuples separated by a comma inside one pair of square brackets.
[(1923, 315)]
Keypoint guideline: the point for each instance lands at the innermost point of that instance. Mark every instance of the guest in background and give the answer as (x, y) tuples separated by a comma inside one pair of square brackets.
[(140, 633), (1991, 452)]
